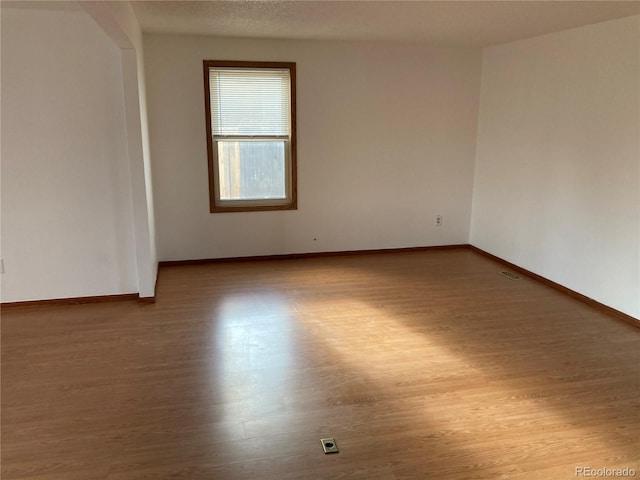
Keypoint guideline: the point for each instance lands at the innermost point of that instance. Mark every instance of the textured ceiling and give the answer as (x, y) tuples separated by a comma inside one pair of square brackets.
[(454, 23), (42, 4)]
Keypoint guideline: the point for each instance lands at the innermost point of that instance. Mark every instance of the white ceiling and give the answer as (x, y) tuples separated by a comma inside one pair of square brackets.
[(445, 23)]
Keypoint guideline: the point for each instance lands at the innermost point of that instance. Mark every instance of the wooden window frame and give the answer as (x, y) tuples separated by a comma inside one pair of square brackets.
[(292, 204)]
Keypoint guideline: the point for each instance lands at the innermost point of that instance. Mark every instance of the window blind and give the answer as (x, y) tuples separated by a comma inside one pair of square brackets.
[(247, 102)]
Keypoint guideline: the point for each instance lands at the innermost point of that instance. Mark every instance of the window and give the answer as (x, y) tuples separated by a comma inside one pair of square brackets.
[(251, 141)]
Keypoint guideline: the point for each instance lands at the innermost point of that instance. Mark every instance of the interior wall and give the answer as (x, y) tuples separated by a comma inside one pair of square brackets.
[(149, 288), (66, 194), (386, 141), (120, 24), (557, 182)]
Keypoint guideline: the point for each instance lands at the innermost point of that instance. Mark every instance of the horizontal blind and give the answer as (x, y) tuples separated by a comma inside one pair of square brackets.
[(248, 102)]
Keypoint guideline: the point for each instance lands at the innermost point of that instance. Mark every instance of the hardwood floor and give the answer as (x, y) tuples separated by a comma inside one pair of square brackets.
[(423, 365)]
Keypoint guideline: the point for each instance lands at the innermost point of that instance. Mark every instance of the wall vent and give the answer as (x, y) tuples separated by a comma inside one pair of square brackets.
[(510, 275)]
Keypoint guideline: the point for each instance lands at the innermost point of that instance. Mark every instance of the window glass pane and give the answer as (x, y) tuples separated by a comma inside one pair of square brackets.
[(249, 170)]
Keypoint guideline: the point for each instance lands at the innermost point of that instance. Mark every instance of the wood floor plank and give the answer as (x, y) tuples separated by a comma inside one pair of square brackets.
[(421, 365)]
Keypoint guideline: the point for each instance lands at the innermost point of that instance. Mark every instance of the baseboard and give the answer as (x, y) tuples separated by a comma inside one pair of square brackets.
[(561, 288), (152, 300), (124, 297), (296, 256), (170, 263)]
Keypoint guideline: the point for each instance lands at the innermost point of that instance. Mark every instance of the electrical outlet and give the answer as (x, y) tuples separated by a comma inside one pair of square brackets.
[(438, 220)]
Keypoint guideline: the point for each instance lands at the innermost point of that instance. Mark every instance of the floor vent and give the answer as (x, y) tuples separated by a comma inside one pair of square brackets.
[(510, 275), (329, 445)]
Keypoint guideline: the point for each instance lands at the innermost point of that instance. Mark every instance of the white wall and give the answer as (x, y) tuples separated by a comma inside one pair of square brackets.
[(66, 195), (557, 182), (119, 23), (386, 140)]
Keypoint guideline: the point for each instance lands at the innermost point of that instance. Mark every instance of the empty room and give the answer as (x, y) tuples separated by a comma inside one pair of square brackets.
[(282, 240)]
